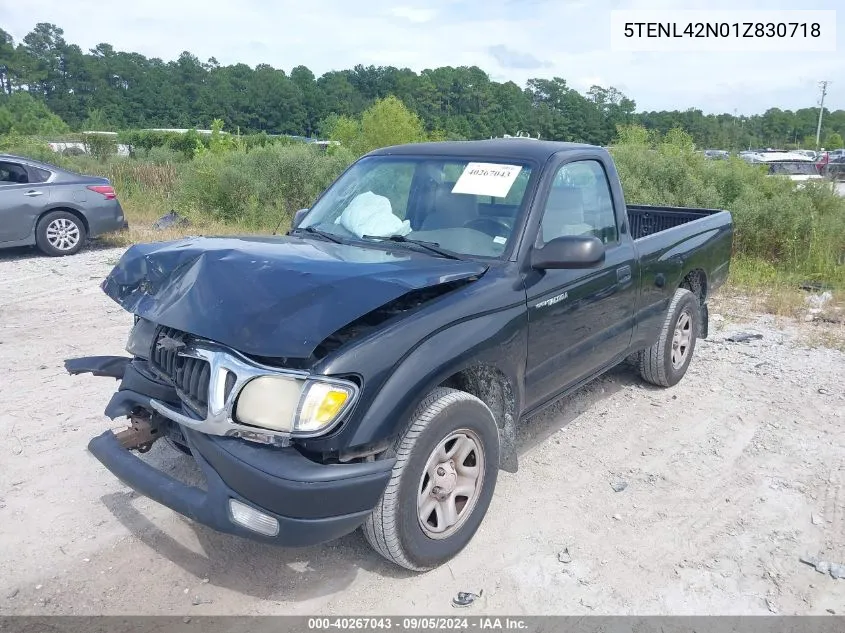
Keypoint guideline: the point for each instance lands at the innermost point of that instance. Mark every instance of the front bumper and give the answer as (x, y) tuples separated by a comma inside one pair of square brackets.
[(312, 502)]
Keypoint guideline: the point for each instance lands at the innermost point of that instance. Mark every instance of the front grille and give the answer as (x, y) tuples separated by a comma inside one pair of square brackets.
[(190, 376)]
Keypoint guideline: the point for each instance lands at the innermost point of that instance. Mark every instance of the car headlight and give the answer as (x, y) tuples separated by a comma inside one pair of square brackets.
[(141, 338), (290, 405), (321, 404)]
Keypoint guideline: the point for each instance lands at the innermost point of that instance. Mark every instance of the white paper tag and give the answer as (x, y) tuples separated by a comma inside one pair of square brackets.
[(487, 179), (500, 240)]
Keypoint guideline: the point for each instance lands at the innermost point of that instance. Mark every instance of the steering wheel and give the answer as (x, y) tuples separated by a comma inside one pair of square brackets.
[(490, 226)]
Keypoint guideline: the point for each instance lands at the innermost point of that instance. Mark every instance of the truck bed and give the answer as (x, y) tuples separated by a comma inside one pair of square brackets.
[(646, 220)]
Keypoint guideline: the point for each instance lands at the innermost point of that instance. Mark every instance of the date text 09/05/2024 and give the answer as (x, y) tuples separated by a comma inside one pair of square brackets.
[(723, 29), (417, 623)]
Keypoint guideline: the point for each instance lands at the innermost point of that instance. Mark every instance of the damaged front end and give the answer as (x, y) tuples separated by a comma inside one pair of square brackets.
[(264, 488), (178, 381), (222, 351), (138, 387)]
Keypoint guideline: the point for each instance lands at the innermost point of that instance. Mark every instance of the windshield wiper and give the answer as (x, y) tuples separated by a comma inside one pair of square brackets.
[(429, 246), (324, 234)]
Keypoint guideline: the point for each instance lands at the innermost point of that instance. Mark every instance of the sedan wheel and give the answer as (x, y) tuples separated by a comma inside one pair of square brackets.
[(60, 233)]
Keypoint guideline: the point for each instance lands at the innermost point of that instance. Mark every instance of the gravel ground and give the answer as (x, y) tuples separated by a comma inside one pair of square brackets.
[(730, 478)]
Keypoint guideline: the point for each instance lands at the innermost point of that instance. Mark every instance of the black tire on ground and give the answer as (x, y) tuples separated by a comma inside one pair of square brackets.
[(394, 529), (655, 364), (68, 222)]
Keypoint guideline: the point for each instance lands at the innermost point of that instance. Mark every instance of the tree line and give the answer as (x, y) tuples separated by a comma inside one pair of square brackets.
[(48, 85)]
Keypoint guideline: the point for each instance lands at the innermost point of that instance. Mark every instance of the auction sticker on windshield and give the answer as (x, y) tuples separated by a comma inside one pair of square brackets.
[(487, 179)]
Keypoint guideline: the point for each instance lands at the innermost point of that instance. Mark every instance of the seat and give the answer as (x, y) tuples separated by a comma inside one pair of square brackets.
[(564, 214), (450, 210)]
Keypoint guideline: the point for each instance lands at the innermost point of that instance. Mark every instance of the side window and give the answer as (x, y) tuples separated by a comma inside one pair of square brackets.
[(39, 175), (579, 203), (12, 173)]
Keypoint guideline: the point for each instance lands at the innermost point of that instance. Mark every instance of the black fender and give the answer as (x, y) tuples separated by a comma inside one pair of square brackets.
[(496, 341)]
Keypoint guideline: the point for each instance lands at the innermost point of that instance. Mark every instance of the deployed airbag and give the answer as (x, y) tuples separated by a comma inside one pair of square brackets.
[(371, 214)]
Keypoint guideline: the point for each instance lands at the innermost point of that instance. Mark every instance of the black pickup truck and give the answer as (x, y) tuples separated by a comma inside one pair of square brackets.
[(370, 367)]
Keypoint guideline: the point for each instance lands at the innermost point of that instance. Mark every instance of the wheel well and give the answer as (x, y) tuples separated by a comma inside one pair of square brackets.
[(490, 385), (696, 282), (67, 210)]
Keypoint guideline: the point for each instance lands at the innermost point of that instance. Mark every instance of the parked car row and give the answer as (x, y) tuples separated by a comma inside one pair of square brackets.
[(52, 208), (798, 165)]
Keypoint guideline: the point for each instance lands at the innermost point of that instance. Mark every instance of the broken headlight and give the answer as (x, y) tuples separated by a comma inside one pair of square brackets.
[(300, 407), (141, 338)]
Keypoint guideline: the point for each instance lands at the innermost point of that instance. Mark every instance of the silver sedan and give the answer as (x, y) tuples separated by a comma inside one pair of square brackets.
[(52, 208)]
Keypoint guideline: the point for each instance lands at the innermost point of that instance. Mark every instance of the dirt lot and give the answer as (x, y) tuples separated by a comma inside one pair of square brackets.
[(731, 477)]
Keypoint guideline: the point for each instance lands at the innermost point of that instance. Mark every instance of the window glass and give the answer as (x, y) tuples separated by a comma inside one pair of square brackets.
[(41, 175), (465, 208), (579, 203), (12, 173)]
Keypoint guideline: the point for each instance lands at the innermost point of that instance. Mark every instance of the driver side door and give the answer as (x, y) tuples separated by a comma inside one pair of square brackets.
[(579, 320)]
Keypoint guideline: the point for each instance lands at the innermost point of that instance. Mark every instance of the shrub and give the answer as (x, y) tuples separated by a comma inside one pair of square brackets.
[(145, 140), (796, 229), (28, 147), (22, 114), (100, 146), (161, 156), (260, 187)]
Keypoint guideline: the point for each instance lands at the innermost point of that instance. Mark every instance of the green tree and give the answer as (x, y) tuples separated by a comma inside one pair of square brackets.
[(97, 121), (21, 113), (345, 130), (387, 122), (8, 62), (131, 91), (833, 141)]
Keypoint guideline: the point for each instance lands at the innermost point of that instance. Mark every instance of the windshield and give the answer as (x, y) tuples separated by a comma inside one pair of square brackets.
[(466, 207), (793, 169)]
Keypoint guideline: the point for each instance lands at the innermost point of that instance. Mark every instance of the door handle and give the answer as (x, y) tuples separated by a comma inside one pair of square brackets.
[(623, 274), (32, 193)]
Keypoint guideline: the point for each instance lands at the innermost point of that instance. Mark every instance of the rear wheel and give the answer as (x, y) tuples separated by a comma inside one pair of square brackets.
[(442, 483), (60, 233), (665, 363)]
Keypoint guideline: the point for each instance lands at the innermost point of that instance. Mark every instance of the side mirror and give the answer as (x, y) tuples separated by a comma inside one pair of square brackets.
[(569, 251), (297, 217)]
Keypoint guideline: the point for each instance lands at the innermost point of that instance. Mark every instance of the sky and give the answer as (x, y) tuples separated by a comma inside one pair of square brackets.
[(510, 39)]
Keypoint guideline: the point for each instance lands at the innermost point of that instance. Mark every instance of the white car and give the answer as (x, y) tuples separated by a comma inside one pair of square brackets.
[(793, 165)]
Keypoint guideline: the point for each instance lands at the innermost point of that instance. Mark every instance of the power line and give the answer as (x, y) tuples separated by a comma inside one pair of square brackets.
[(823, 84)]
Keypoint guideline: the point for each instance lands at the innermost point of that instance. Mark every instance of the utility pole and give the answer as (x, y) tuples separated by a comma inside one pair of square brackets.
[(823, 84)]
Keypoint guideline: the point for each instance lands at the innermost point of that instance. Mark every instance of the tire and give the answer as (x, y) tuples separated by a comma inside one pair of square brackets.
[(656, 364), (60, 233), (395, 528)]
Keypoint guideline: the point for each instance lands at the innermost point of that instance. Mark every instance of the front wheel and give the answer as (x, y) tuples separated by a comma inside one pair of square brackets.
[(665, 363), (446, 466)]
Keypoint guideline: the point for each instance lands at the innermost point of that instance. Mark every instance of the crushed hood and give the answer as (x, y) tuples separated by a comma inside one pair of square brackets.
[(273, 296)]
